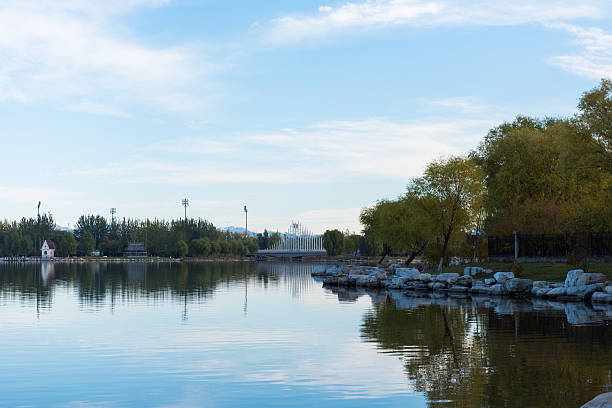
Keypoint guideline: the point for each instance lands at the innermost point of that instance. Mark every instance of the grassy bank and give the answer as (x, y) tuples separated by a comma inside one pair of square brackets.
[(548, 271)]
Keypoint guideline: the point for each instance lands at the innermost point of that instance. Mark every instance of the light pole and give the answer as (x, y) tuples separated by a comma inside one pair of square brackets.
[(246, 221), (185, 203)]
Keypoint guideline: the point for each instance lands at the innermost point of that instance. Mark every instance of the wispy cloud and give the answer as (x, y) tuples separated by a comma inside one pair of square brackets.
[(352, 16), (595, 61), (68, 50), (89, 107), (324, 152)]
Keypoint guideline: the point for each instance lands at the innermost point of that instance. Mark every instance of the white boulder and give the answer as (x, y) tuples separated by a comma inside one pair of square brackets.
[(572, 276), (501, 277)]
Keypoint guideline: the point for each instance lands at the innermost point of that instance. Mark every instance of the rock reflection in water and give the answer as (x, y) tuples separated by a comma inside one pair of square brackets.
[(493, 352)]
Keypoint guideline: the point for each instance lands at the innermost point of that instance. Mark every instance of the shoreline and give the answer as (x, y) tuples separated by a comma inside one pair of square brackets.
[(577, 287)]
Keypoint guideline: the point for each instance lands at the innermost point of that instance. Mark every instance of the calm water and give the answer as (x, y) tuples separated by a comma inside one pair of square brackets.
[(191, 335)]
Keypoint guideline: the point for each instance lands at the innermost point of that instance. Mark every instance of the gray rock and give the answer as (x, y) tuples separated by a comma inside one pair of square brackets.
[(449, 278), (425, 277), (490, 281), (501, 277), (408, 273), (439, 285), (343, 281), (464, 281), (378, 274), (318, 270), (458, 289), (473, 270), (540, 292), (583, 291), (335, 270), (541, 284), (590, 278), (572, 276), (608, 289), (600, 401), (516, 286), (556, 292), (601, 297), (416, 285), (498, 289)]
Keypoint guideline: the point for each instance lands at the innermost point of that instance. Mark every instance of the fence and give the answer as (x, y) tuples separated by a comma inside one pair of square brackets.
[(551, 245)]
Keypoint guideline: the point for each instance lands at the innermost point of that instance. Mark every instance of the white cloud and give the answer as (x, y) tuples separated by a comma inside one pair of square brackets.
[(375, 13), (68, 50), (89, 107), (595, 61), (376, 147)]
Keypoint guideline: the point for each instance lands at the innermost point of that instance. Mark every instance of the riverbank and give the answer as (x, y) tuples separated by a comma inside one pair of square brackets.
[(98, 259), (577, 286)]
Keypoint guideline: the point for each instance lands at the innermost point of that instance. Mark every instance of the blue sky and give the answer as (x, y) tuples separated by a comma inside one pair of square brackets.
[(302, 110)]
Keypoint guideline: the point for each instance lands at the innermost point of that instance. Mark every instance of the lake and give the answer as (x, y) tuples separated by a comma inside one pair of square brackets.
[(268, 334)]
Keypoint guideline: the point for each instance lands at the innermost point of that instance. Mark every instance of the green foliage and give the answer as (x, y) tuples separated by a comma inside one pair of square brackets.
[(65, 243), (181, 248), (369, 246), (596, 117), (449, 198), (545, 176), (199, 247), (86, 243), (333, 242)]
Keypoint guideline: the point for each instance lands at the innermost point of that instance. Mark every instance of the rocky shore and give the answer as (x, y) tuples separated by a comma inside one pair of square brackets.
[(578, 285)]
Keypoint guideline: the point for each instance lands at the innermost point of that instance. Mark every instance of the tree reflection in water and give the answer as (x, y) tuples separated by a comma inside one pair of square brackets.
[(96, 284), (468, 352)]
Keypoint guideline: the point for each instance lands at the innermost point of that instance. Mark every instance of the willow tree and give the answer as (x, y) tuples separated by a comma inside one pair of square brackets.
[(398, 225), (449, 197)]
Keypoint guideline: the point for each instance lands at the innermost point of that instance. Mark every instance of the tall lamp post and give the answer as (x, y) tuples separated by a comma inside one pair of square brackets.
[(185, 203), (246, 221)]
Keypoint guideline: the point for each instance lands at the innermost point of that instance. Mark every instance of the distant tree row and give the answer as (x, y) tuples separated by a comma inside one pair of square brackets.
[(176, 238), (535, 176)]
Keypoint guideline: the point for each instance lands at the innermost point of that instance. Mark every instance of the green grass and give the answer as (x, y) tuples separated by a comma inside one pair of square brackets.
[(547, 271)]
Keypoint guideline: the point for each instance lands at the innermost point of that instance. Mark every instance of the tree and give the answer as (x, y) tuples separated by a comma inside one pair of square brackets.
[(65, 244), (369, 246), (449, 195), (399, 225), (351, 243), (199, 247), (181, 248), (596, 116), (96, 225), (333, 242), (86, 243)]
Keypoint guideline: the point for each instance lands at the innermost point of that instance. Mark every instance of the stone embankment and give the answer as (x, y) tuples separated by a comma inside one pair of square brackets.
[(578, 285)]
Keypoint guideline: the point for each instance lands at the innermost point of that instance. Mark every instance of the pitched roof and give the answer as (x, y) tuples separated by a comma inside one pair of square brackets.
[(50, 244)]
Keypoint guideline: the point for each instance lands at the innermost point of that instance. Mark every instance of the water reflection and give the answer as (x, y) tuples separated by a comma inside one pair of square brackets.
[(191, 334), (95, 283), (480, 352)]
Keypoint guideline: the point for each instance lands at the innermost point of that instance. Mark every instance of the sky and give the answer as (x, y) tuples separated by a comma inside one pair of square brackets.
[(303, 111)]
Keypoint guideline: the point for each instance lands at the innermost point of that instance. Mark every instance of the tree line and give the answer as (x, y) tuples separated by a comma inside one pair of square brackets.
[(175, 238), (532, 175)]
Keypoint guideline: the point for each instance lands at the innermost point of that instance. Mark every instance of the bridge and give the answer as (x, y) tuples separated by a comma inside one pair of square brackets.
[(296, 243)]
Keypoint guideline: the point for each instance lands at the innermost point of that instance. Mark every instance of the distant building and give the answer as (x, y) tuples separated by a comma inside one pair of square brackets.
[(95, 253), (135, 250), (48, 249)]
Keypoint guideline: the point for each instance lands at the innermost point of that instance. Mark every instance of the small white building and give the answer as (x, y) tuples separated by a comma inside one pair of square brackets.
[(48, 249)]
